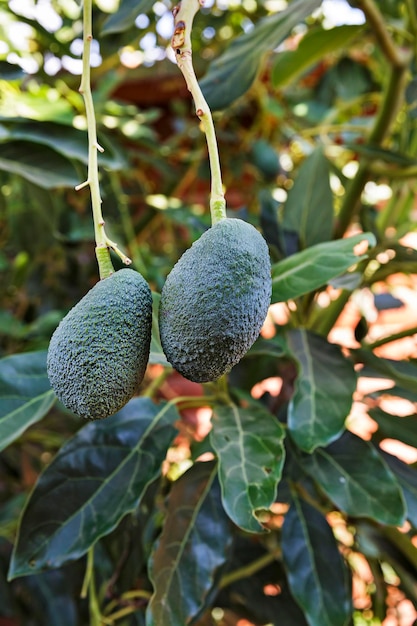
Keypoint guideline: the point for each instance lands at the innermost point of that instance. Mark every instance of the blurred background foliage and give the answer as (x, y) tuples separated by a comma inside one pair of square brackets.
[(316, 126)]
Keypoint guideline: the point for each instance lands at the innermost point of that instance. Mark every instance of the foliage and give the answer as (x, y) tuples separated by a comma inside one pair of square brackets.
[(282, 507)]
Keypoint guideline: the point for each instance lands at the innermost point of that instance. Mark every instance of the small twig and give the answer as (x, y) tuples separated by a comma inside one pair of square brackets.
[(251, 568), (378, 23), (407, 332), (181, 44)]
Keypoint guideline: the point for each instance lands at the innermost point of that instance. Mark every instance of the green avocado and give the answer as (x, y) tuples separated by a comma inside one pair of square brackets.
[(215, 300), (98, 355)]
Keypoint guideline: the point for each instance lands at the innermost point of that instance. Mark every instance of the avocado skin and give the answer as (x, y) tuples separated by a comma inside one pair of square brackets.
[(98, 354), (215, 300)]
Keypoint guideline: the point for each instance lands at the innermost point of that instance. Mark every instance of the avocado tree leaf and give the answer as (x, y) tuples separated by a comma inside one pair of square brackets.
[(156, 354), (407, 478), (38, 164), (249, 445), (25, 394), (314, 267), (395, 427), (323, 393), (316, 43), (191, 549), (403, 373), (68, 141), (308, 210), (125, 16), (362, 489), (96, 478), (317, 574), (232, 73)]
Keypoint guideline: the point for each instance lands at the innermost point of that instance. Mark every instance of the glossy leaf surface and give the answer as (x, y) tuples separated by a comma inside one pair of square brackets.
[(315, 267), (192, 547), (25, 394), (231, 74), (395, 427), (357, 479), (38, 164), (250, 450), (323, 390), (407, 478), (316, 572), (308, 210), (95, 479)]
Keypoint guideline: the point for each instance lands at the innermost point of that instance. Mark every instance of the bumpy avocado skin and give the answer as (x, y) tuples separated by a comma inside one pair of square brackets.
[(215, 300), (98, 354)]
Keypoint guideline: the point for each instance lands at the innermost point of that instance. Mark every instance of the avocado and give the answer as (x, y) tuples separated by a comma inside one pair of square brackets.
[(215, 300), (98, 354)]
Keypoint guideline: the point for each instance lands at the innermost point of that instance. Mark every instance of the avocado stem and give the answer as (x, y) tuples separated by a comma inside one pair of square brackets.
[(181, 44), (103, 243)]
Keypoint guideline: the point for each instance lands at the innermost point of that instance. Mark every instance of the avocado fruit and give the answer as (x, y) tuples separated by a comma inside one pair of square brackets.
[(98, 354), (215, 300)]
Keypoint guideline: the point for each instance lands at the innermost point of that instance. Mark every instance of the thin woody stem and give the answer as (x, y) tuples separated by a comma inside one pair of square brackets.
[(103, 243), (181, 43)]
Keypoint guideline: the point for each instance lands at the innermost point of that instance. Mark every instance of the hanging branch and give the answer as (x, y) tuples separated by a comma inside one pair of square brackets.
[(181, 43), (103, 243)]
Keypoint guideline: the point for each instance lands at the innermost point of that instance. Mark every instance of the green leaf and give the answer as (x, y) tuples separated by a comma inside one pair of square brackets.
[(232, 73), (407, 478), (313, 268), (38, 164), (323, 393), (96, 478), (403, 373), (125, 16), (250, 449), (25, 394), (191, 549), (308, 210), (376, 153), (68, 141), (355, 477), (316, 43), (317, 575), (395, 427), (156, 354)]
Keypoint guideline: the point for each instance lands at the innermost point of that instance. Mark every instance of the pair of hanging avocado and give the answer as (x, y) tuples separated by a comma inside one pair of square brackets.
[(212, 307)]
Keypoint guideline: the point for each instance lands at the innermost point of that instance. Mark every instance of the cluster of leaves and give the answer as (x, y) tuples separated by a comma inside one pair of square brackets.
[(273, 514)]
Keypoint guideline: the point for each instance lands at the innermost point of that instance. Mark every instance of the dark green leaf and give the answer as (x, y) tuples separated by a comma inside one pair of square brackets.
[(25, 394), (231, 74), (66, 140), (191, 550), (308, 210), (38, 164), (403, 373), (324, 388), (395, 391), (375, 153), (249, 446), (125, 16), (10, 71), (313, 268), (365, 488), (313, 46), (407, 478), (95, 479), (317, 575), (395, 427)]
